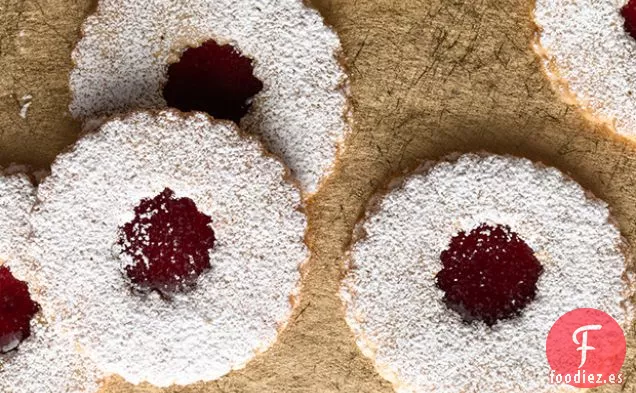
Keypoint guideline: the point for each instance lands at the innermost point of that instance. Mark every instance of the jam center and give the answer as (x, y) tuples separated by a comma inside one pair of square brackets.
[(212, 78), (16, 311), (166, 246), (488, 274), (629, 13)]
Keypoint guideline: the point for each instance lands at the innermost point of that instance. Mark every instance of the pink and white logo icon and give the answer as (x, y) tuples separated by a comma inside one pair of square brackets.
[(586, 348)]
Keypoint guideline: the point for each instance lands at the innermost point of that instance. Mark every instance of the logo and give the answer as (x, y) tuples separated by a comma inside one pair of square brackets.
[(586, 348)]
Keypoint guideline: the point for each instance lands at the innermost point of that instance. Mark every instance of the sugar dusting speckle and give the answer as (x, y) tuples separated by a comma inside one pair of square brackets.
[(25, 103), (398, 313), (594, 54), (237, 307), (122, 60)]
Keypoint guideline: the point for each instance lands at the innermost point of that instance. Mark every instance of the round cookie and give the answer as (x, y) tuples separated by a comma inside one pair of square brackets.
[(122, 61), (403, 311), (42, 358), (591, 53), (124, 197)]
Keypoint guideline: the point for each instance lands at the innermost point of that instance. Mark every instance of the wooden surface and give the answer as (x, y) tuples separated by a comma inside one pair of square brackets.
[(427, 77)]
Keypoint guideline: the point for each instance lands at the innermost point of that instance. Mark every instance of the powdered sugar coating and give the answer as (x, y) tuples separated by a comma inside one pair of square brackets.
[(587, 42), (17, 196), (122, 59), (236, 308), (47, 361), (398, 313)]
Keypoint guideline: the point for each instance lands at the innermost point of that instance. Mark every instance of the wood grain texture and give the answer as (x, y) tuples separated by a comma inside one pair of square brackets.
[(427, 77)]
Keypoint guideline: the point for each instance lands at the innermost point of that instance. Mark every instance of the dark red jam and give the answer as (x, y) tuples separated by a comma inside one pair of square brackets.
[(167, 244), (488, 274), (16, 311), (212, 78), (629, 14)]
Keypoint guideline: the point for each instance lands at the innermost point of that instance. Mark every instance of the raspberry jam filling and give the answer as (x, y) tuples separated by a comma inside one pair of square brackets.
[(629, 13), (16, 311), (166, 246), (212, 78), (488, 274)]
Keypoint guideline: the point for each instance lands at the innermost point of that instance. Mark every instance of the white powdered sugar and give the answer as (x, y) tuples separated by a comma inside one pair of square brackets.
[(48, 361), (398, 314), (17, 196), (587, 42), (236, 308), (45, 362), (127, 45)]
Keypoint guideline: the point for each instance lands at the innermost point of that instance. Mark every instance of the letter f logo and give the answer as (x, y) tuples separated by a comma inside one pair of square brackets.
[(584, 347)]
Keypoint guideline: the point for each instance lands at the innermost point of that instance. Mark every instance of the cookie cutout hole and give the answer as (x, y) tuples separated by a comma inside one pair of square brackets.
[(488, 274), (628, 12), (17, 309), (166, 247), (212, 78)]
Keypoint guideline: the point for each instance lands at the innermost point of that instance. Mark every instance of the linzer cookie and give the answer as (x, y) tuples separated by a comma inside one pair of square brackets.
[(589, 47), (272, 67), (36, 356), (463, 269), (174, 242)]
